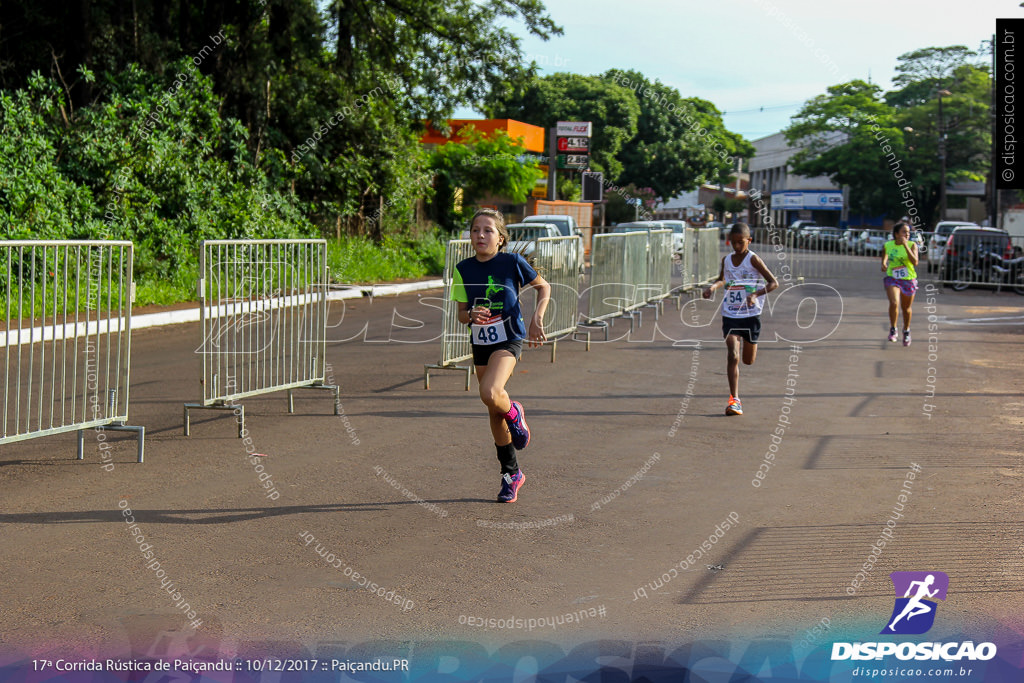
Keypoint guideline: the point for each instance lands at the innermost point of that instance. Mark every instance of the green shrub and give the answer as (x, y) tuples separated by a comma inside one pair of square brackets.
[(358, 260)]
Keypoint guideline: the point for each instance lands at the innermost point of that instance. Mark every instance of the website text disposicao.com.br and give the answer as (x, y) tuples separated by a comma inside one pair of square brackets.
[(913, 673)]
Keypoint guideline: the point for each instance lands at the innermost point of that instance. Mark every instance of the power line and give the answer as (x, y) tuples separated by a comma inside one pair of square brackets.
[(763, 109)]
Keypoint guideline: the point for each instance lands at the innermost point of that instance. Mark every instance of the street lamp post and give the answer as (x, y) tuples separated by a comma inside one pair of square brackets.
[(942, 158)]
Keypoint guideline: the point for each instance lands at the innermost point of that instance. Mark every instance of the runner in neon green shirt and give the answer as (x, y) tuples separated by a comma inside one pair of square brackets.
[(898, 260)]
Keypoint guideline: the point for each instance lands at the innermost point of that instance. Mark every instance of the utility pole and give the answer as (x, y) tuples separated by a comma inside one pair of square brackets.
[(942, 158), (552, 162)]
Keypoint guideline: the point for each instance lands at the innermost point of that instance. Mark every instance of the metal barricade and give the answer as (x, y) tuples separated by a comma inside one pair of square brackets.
[(558, 260), (708, 259), (608, 293), (67, 351), (618, 277), (688, 258), (820, 253), (634, 270), (263, 320), (455, 344), (659, 265)]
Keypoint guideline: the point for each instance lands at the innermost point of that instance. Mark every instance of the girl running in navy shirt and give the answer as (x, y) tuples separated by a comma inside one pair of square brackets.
[(488, 285)]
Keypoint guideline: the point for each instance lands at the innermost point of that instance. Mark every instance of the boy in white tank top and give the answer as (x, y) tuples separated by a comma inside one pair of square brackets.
[(746, 280)]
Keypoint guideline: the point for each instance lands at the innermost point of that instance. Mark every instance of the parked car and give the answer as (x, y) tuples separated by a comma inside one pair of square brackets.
[(872, 242), (820, 237), (723, 229), (566, 224), (852, 241), (940, 237), (567, 227), (831, 239), (678, 234), (797, 226), (524, 236), (639, 226), (965, 244)]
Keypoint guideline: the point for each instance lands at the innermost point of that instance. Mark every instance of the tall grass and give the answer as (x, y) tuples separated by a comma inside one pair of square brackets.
[(357, 260)]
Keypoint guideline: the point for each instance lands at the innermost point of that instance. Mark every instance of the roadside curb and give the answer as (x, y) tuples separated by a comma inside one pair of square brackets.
[(336, 293)]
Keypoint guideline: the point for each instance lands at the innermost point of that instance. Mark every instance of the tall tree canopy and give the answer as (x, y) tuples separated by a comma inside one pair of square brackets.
[(861, 137), (680, 142), (355, 77), (612, 108), (644, 133), (847, 135)]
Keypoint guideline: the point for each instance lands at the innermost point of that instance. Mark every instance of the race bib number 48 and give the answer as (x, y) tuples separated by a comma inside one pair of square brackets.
[(491, 332)]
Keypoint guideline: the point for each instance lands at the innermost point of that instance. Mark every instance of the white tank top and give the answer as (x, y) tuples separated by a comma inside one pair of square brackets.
[(740, 281)]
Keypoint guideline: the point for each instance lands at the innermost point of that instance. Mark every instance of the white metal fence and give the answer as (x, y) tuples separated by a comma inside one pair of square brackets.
[(455, 345), (263, 320), (67, 308), (628, 270), (708, 258), (659, 264), (559, 260)]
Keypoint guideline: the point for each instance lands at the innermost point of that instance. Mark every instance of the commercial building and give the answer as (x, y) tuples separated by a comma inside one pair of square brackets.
[(790, 196)]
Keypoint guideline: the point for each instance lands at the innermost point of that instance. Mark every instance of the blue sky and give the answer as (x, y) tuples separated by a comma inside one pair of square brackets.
[(757, 60)]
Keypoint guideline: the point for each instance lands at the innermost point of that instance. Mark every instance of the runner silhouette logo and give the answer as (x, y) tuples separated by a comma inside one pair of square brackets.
[(916, 595)]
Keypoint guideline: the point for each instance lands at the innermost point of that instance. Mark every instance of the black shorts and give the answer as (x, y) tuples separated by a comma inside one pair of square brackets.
[(482, 354), (748, 328)]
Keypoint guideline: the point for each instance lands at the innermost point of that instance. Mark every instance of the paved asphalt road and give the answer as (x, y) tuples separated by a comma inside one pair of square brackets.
[(632, 469)]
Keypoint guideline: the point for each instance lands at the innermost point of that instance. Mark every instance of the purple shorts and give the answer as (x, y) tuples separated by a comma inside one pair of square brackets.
[(907, 287)]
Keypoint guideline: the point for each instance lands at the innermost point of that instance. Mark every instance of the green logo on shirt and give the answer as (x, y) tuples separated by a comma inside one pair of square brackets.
[(493, 287)]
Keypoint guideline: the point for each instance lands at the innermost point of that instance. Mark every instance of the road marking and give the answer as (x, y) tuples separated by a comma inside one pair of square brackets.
[(998, 320)]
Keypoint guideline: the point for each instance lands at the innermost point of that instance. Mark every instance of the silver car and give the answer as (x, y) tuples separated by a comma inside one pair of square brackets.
[(523, 237), (940, 236)]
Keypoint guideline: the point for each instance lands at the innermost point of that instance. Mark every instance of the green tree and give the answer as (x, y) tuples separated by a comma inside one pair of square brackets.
[(284, 69), (722, 205), (611, 108), (102, 173), (885, 146), (964, 123), (622, 206), (680, 143), (483, 165), (847, 135)]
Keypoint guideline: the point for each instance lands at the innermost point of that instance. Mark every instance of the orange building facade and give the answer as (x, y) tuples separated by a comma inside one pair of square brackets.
[(532, 136)]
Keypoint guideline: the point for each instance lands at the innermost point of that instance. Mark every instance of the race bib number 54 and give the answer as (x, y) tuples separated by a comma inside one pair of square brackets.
[(735, 296)]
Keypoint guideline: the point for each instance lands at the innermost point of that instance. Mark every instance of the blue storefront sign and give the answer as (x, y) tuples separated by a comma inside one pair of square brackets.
[(808, 200)]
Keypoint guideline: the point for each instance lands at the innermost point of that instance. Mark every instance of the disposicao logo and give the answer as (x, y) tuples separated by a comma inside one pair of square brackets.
[(912, 614)]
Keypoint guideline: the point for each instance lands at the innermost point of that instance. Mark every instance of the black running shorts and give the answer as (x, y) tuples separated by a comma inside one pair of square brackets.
[(482, 354), (748, 328)]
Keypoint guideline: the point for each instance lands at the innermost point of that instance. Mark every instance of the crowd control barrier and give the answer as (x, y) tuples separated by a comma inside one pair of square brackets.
[(688, 259), (618, 265), (628, 270), (67, 342), (708, 258), (559, 261), (659, 265), (263, 320), (455, 345)]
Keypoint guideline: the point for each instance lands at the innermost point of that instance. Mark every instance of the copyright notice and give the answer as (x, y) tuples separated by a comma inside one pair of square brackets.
[(1008, 172)]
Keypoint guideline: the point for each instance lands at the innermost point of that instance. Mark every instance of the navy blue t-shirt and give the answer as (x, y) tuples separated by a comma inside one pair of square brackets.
[(495, 284)]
